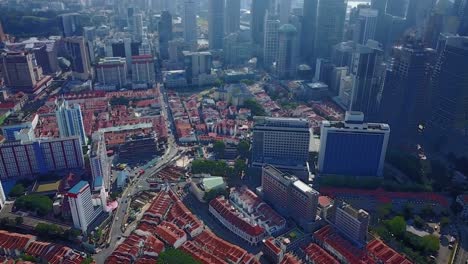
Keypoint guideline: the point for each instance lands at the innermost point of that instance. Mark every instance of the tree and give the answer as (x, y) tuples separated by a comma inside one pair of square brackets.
[(38, 203), (219, 147), (243, 149), (384, 210), (239, 166), (175, 256), (87, 260), (430, 243), (255, 108), (49, 230), (427, 211), (419, 222), (397, 226), (19, 220), (408, 211), (213, 193), (17, 190), (218, 168)]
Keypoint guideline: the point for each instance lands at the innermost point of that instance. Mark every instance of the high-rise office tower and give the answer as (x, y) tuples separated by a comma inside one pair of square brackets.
[(130, 19), (286, 63), (143, 69), (111, 72), (138, 26), (215, 24), (70, 120), (353, 147), (232, 16), (449, 121), (365, 26), (406, 92), (308, 33), (290, 196), (196, 64), (342, 53), (70, 25), (271, 41), (258, 12), (79, 57), (284, 11), (20, 72), (397, 8), (237, 48), (281, 142), (165, 34), (366, 70), (190, 22), (330, 26), (81, 206)]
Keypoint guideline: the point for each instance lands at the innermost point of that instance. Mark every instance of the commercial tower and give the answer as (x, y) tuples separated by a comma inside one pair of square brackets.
[(20, 71), (216, 24), (190, 22), (271, 41), (406, 91), (143, 69), (449, 121), (112, 72), (281, 142), (257, 25), (365, 26), (352, 147), (309, 27), (70, 120), (78, 55), (100, 166), (366, 71), (330, 26), (70, 25), (232, 16), (284, 11), (81, 206), (290, 196), (286, 62), (165, 34)]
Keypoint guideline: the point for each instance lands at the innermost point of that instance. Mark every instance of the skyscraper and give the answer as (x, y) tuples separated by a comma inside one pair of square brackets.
[(366, 68), (190, 22), (232, 16), (258, 12), (79, 57), (70, 25), (70, 120), (165, 34), (449, 121), (215, 24), (284, 11), (365, 26), (196, 64), (281, 142), (286, 63), (406, 92), (100, 166), (138, 26), (330, 26), (460, 8), (309, 27), (353, 147), (81, 206), (271, 41)]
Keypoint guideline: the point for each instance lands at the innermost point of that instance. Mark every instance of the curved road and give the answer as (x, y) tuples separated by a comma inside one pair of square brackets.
[(115, 232)]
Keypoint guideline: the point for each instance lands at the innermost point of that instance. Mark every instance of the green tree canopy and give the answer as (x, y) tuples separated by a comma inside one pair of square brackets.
[(255, 108), (36, 203), (243, 149), (396, 225), (218, 148), (17, 190), (175, 256)]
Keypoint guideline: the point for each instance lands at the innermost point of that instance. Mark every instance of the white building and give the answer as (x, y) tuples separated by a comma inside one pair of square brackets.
[(2, 196), (100, 166), (70, 120), (81, 206), (112, 71), (352, 147), (143, 69)]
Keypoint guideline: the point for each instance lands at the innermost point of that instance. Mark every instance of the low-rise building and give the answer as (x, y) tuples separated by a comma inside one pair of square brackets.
[(235, 221)]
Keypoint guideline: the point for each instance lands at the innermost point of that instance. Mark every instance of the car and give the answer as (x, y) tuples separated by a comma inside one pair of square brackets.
[(432, 257)]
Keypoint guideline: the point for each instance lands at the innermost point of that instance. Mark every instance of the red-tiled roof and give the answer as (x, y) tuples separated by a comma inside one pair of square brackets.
[(169, 232), (318, 255), (230, 214), (270, 244), (14, 241), (220, 248), (385, 254), (290, 259)]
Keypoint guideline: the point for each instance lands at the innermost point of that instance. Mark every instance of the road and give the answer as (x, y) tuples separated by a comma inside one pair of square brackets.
[(116, 232), (462, 254)]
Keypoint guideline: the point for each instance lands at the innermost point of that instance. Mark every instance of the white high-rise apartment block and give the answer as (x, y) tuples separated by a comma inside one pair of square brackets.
[(81, 206), (100, 166), (70, 120)]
